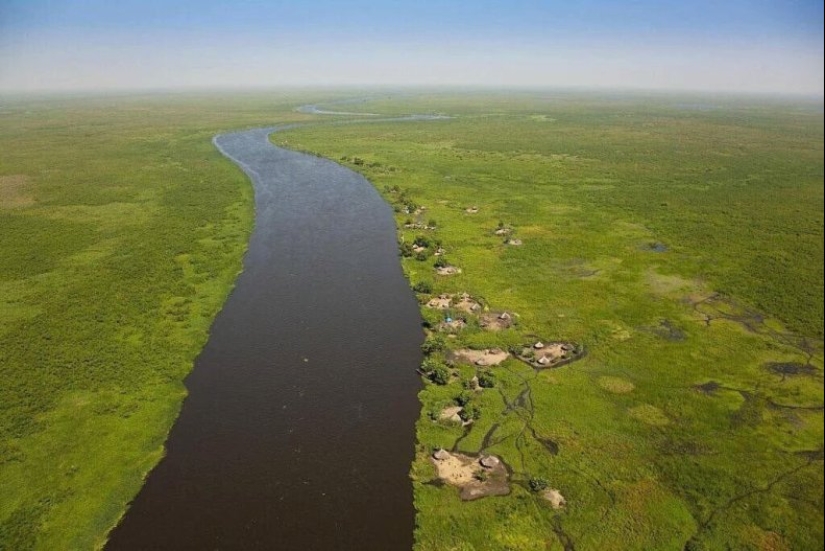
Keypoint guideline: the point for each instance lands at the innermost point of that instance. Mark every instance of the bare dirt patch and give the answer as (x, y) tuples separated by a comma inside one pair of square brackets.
[(482, 358), (555, 498), (13, 191), (417, 226), (466, 303), (451, 325), (554, 354), (452, 414), (475, 477), (514, 242), (461, 301), (447, 270), (496, 321), (441, 302)]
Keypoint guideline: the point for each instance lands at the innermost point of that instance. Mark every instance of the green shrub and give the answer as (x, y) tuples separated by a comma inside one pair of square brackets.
[(423, 287), (538, 484), (463, 399), (422, 241), (429, 365), (469, 412), (486, 380), (433, 344), (440, 375), (431, 317)]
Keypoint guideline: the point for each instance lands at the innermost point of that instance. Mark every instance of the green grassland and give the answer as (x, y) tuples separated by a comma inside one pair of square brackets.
[(121, 232), (679, 240)]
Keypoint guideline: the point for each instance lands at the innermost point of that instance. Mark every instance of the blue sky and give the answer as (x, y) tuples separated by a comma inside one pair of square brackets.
[(734, 45)]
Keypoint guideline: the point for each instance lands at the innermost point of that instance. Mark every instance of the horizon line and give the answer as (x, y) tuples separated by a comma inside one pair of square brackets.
[(385, 88)]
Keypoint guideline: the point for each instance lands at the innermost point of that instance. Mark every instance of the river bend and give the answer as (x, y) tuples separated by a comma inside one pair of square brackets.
[(298, 431)]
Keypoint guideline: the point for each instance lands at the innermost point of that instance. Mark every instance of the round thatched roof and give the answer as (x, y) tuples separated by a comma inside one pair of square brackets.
[(490, 461), (441, 454)]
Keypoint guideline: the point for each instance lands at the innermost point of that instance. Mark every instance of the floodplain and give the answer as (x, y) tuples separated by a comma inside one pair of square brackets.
[(656, 382), (676, 242)]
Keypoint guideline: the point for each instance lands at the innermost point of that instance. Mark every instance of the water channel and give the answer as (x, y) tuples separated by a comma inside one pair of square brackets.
[(298, 431)]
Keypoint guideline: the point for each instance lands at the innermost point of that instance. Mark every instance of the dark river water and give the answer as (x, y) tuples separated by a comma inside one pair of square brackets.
[(298, 431)]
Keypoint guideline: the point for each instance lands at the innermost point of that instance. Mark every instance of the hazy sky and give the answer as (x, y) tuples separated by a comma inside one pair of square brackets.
[(730, 45)]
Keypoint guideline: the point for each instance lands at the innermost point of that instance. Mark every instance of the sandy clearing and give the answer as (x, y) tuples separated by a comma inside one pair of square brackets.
[(486, 357), (471, 476), (451, 414), (447, 270), (496, 321)]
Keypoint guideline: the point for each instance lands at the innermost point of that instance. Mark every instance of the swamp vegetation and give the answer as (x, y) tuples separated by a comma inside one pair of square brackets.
[(122, 229), (677, 241)]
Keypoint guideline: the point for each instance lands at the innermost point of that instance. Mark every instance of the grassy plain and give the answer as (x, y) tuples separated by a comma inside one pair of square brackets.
[(123, 229), (680, 241), (121, 232)]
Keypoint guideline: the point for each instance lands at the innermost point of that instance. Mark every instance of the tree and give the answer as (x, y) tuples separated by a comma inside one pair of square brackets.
[(469, 412), (433, 344), (486, 380), (421, 241), (440, 375), (429, 365), (463, 399)]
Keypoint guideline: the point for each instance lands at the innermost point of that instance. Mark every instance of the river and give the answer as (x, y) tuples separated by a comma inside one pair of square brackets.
[(298, 430)]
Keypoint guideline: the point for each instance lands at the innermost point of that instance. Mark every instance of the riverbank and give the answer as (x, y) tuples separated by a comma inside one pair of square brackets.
[(625, 434), (123, 233), (304, 397)]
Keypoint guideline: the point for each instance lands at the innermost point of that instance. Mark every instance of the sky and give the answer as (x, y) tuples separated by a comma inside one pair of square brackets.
[(753, 46)]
